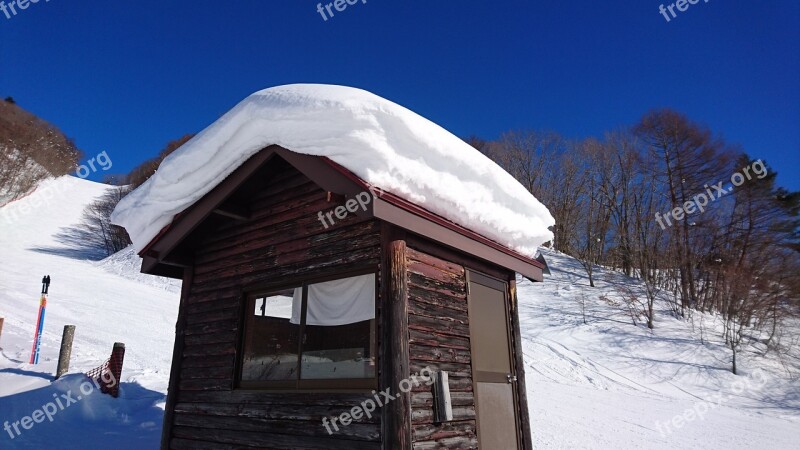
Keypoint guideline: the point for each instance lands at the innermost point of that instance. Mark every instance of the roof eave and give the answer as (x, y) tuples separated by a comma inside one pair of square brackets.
[(323, 171)]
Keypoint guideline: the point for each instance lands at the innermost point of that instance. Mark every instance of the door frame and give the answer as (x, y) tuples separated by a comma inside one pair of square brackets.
[(504, 287)]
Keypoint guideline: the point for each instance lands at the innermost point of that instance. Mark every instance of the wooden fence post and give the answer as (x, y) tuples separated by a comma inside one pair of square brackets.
[(1, 326), (66, 350), (111, 386)]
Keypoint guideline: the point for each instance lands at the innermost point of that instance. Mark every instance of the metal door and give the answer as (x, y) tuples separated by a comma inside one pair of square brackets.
[(493, 375)]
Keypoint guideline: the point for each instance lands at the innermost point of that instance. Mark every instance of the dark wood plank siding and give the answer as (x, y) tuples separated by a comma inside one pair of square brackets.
[(438, 328), (283, 240)]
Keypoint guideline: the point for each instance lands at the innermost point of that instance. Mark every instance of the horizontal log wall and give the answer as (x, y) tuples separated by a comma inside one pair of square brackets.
[(438, 325), (283, 239)]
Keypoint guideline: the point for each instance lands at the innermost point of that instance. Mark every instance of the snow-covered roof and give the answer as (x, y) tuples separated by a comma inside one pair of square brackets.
[(383, 143)]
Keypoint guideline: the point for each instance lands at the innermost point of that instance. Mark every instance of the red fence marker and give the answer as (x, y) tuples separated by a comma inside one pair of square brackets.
[(111, 386)]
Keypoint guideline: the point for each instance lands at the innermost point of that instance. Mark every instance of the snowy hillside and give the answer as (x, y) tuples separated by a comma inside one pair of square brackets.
[(610, 384), (40, 235), (604, 384), (12, 163)]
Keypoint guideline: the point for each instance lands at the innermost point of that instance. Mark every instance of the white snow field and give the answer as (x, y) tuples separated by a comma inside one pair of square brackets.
[(385, 144), (604, 385)]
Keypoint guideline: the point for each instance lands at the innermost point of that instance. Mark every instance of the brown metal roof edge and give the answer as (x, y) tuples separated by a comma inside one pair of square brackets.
[(163, 231), (433, 217), (433, 231)]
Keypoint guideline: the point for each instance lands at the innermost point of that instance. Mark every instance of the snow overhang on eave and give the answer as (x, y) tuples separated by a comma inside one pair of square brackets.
[(158, 257), (412, 217)]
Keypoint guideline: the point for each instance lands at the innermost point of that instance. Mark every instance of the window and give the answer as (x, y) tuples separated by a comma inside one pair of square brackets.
[(317, 335), (270, 347)]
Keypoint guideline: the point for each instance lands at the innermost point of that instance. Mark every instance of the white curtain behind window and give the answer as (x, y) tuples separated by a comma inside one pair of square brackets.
[(337, 302)]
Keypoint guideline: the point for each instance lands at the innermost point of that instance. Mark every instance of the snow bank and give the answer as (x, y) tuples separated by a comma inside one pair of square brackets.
[(381, 142), (72, 413)]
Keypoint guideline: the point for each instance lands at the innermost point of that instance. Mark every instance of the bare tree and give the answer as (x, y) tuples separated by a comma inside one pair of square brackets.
[(686, 158), (753, 276), (739, 256), (582, 304), (618, 177), (592, 226), (633, 304), (647, 241), (96, 216)]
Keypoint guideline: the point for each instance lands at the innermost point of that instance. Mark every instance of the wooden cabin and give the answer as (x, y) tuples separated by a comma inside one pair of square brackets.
[(286, 322)]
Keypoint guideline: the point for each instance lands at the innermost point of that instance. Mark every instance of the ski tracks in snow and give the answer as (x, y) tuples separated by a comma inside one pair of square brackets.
[(559, 364)]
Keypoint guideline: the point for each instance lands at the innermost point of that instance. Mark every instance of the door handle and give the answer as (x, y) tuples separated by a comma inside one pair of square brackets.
[(511, 378)]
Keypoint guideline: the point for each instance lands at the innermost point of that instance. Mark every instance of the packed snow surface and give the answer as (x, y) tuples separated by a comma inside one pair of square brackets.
[(385, 144)]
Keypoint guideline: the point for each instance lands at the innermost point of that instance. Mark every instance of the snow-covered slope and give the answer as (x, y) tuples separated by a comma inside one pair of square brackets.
[(36, 239), (127, 264), (610, 384), (604, 385), (385, 144)]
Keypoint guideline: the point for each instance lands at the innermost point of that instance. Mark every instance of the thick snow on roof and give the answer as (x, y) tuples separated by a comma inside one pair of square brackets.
[(385, 144)]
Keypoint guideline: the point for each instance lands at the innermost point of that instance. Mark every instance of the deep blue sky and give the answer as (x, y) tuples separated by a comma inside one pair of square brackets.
[(128, 76)]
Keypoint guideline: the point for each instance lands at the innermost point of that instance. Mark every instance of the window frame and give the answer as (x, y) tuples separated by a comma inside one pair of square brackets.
[(299, 384)]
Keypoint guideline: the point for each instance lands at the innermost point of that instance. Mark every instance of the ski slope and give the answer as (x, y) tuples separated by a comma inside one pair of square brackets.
[(604, 384), (40, 235)]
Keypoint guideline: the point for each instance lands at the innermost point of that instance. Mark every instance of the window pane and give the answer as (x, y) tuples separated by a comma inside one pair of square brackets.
[(339, 332), (271, 339)]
